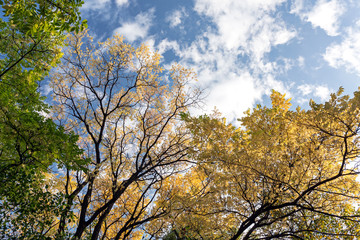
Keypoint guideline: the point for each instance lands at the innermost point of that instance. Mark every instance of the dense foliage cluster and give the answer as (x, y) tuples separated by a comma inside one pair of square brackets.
[(119, 156), (32, 33)]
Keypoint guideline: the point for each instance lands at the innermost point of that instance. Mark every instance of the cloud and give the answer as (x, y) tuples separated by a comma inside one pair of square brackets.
[(241, 23), (166, 45), (175, 18), (320, 91), (95, 4), (297, 6), (235, 95), (347, 53), (230, 56), (122, 2), (247, 26), (231, 86), (267, 33), (137, 29), (324, 14), (301, 61), (45, 88), (305, 89)]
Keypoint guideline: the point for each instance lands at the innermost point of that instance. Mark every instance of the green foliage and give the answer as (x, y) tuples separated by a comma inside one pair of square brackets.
[(29, 138), (27, 210), (32, 33)]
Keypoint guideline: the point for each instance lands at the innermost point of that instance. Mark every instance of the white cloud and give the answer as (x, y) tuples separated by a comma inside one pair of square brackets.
[(325, 14), (301, 61), (305, 89), (138, 28), (166, 45), (243, 23), (45, 88), (297, 6), (347, 53), (95, 4), (320, 91), (122, 2), (267, 33), (234, 95), (271, 83), (244, 29), (232, 86), (247, 26), (175, 18)]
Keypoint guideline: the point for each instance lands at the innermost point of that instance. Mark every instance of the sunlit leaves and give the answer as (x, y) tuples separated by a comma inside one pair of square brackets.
[(280, 166), (32, 33), (127, 114)]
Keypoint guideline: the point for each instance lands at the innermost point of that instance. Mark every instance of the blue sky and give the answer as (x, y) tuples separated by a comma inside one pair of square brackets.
[(241, 49)]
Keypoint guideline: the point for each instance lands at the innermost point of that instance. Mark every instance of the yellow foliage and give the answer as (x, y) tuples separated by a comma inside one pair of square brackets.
[(279, 163), (127, 117)]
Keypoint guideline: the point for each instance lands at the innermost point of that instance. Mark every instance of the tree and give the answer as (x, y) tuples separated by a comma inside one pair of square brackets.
[(282, 175), (320, 226), (128, 118), (32, 33)]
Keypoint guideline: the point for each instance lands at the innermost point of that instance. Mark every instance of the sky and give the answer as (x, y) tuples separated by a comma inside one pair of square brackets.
[(241, 49)]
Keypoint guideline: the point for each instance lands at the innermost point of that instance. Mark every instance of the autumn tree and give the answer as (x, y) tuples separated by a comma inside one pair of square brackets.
[(126, 111), (312, 225), (32, 33), (282, 174)]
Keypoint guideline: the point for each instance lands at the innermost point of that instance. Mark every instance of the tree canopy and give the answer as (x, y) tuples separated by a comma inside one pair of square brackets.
[(119, 156), (31, 36), (127, 114), (282, 174)]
